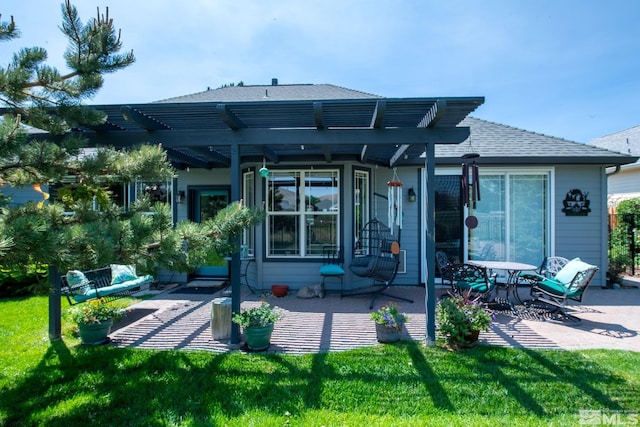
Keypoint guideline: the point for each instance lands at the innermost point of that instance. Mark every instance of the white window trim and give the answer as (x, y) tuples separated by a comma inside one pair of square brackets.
[(302, 214)]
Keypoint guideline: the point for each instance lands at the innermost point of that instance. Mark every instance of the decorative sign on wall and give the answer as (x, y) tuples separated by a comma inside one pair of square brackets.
[(576, 203)]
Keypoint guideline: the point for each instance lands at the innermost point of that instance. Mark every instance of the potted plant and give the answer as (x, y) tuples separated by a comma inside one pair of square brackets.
[(389, 322), (460, 319), (94, 319), (257, 324)]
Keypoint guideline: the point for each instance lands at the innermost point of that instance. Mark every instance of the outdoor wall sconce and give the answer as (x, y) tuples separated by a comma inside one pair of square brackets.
[(264, 172), (412, 195), (180, 197)]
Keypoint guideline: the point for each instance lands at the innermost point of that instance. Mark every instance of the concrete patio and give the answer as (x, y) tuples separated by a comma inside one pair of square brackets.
[(176, 320)]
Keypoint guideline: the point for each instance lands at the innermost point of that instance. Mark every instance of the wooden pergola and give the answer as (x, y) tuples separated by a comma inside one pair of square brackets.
[(388, 132)]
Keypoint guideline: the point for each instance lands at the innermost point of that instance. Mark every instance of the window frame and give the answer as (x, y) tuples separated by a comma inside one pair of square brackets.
[(548, 219), (301, 213)]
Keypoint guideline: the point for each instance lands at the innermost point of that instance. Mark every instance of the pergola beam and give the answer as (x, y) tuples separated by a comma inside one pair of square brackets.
[(229, 118), (142, 120), (318, 116), (378, 114), (276, 137), (185, 158), (435, 113)]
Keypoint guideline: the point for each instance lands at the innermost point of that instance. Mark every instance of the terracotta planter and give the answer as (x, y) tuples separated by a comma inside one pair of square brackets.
[(386, 334), (258, 338), (279, 290), (95, 333)]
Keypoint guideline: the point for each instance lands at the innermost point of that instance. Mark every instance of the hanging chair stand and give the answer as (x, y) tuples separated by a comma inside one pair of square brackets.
[(377, 257)]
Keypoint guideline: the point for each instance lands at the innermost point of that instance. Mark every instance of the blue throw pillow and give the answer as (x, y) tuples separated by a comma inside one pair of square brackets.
[(122, 273)]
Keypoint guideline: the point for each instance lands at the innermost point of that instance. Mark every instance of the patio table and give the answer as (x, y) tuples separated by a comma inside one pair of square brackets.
[(513, 270)]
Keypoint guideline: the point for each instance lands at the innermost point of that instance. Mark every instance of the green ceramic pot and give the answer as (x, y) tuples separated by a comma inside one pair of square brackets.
[(258, 338), (95, 333)]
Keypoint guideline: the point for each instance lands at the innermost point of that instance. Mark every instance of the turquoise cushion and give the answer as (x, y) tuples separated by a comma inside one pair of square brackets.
[(108, 290), (122, 273), (569, 271), (479, 285), (331, 270)]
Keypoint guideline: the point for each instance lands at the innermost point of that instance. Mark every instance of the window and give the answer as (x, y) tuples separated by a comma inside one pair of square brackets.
[(361, 203), (302, 212), (513, 217)]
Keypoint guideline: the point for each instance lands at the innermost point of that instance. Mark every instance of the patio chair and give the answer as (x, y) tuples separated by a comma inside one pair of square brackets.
[(570, 283), (464, 277), (442, 262), (376, 257), (551, 265), (333, 258)]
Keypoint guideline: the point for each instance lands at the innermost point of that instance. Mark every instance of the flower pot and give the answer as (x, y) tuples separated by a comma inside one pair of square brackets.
[(470, 340), (258, 338), (95, 333), (279, 290), (386, 334)]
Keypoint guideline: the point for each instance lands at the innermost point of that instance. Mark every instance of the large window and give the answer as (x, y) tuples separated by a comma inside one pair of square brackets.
[(513, 217), (302, 212)]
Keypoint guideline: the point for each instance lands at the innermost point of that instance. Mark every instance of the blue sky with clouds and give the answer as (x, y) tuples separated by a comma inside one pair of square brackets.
[(566, 68)]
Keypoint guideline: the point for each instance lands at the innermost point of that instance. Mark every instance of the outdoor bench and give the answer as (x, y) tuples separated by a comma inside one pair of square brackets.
[(109, 283)]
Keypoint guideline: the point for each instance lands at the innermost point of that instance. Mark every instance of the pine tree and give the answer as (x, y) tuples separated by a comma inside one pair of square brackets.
[(38, 95)]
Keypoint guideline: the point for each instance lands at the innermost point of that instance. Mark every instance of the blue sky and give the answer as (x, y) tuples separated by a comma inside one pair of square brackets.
[(566, 68)]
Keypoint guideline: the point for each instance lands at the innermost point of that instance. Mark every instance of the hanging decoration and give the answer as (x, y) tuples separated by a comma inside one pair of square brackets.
[(394, 197), (264, 172), (470, 181)]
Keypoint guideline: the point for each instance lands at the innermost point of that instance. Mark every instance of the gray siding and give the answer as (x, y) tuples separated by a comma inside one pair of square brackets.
[(582, 236)]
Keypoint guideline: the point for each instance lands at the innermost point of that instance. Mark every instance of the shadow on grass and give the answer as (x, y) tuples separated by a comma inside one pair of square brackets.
[(110, 386)]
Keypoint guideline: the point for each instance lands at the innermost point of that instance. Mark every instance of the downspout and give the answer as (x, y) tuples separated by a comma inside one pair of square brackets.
[(615, 171)]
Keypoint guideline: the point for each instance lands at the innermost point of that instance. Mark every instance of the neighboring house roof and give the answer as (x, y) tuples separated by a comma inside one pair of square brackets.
[(498, 143), (273, 92), (626, 141)]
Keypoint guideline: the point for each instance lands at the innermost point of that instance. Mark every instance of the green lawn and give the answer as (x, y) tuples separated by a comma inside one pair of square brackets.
[(65, 384)]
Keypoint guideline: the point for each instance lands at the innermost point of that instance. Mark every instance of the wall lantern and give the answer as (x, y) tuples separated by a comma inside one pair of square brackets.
[(412, 195), (264, 172), (180, 197)]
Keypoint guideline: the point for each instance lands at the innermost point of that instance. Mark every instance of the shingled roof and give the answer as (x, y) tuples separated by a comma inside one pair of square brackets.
[(273, 92), (626, 141), (502, 144)]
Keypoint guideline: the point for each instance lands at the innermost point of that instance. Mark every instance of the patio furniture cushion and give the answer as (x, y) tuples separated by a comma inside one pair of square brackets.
[(331, 270), (122, 273), (77, 279), (98, 283), (93, 293), (478, 285), (569, 271), (469, 276), (555, 287)]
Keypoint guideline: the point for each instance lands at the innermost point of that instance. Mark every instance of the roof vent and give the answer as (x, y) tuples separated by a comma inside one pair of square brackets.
[(274, 82)]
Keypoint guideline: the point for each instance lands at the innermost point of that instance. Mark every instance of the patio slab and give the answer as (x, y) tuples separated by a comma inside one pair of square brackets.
[(173, 320)]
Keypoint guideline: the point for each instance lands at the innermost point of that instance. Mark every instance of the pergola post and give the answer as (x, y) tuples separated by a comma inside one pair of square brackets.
[(430, 294), (236, 186), (55, 305)]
